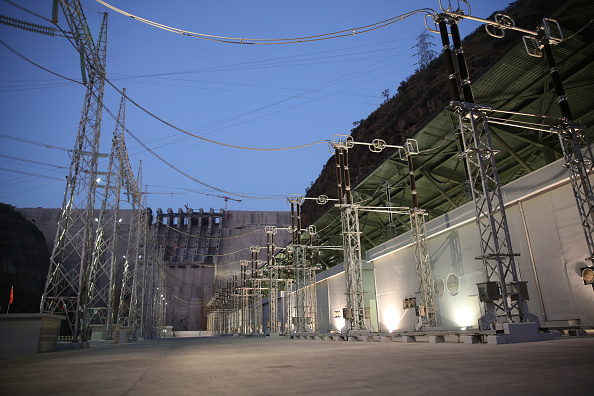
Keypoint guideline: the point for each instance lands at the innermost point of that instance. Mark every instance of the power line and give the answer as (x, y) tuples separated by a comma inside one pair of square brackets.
[(294, 40), (50, 146), (327, 84), (151, 151), (31, 174), (165, 122), (32, 161), (273, 62), (39, 66), (171, 125), (31, 189)]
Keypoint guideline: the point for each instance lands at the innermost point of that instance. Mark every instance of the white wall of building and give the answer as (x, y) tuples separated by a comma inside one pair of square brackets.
[(545, 230)]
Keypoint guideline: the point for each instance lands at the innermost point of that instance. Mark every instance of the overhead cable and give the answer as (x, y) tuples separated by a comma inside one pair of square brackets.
[(31, 174), (209, 140), (33, 142), (294, 40), (171, 125)]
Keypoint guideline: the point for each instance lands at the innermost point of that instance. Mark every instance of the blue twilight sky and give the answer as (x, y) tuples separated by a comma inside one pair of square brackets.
[(247, 95)]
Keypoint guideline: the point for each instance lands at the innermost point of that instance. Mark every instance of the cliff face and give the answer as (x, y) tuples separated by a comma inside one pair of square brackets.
[(420, 97), (24, 262)]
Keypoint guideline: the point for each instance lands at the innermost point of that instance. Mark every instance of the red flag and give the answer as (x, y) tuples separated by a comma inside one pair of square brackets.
[(11, 295)]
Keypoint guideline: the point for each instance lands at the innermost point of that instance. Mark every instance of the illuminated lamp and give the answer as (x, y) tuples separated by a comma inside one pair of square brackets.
[(588, 275)]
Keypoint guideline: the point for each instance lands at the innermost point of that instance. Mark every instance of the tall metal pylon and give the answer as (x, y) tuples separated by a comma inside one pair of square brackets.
[(66, 288), (100, 309), (127, 311), (349, 212), (273, 275), (502, 293), (311, 313), (579, 160)]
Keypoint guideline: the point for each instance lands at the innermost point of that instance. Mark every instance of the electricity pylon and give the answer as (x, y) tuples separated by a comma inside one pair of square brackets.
[(66, 290)]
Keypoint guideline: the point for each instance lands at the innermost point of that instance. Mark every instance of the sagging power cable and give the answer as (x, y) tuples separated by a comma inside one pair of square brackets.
[(294, 40), (151, 151)]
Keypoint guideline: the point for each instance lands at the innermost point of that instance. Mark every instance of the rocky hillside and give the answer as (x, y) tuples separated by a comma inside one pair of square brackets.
[(419, 97)]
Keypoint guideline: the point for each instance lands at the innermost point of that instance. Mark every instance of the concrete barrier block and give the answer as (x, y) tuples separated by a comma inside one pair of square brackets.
[(577, 333), (436, 339), (522, 332), (471, 339), (556, 333), (409, 339), (547, 336), (498, 339)]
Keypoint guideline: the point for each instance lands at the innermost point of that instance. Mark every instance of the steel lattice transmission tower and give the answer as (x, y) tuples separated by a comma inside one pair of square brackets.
[(66, 290), (424, 52), (128, 307), (100, 310)]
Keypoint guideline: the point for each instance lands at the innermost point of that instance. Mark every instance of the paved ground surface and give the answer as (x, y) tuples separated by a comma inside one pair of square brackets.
[(232, 366)]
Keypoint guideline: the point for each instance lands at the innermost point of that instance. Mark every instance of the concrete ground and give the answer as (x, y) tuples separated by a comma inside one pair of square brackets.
[(276, 366)]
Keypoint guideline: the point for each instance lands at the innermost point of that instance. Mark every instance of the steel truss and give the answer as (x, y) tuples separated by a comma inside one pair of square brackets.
[(245, 299), (300, 291), (499, 265), (100, 311), (574, 141), (351, 236), (579, 163), (128, 308), (67, 285), (273, 282), (139, 286), (428, 312), (502, 292), (288, 305), (351, 239)]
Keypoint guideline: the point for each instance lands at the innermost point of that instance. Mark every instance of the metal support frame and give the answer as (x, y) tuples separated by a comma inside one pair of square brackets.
[(574, 141), (100, 310), (423, 269), (273, 289), (287, 306), (245, 300), (577, 152), (136, 233), (497, 252), (353, 267), (301, 301), (136, 314), (355, 310), (427, 311), (66, 288), (311, 311), (351, 237), (579, 163), (499, 266)]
